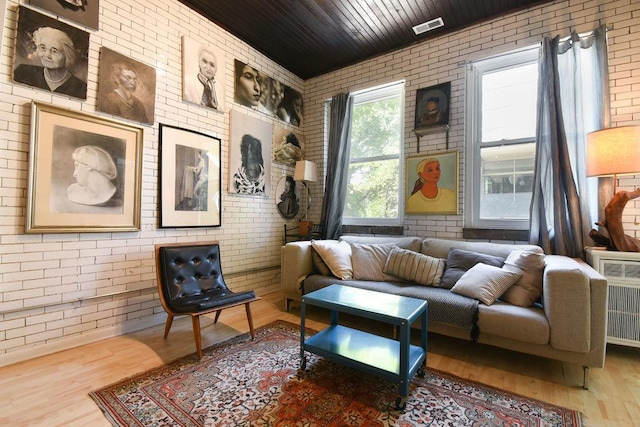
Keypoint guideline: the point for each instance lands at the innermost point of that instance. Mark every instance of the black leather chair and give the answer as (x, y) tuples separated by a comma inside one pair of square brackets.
[(190, 283)]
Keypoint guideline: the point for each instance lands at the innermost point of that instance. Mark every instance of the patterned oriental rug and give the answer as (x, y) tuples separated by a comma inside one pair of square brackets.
[(257, 383)]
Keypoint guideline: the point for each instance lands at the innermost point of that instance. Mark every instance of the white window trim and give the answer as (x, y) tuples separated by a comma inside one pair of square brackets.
[(473, 185), (375, 93)]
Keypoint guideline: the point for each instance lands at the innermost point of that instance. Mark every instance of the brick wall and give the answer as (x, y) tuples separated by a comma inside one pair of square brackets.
[(62, 290), (443, 60)]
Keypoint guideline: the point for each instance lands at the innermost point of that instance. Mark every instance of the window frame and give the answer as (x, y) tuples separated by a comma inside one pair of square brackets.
[(474, 145), (375, 93)]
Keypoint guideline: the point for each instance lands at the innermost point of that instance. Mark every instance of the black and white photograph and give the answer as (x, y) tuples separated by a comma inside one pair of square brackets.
[(126, 87), (84, 173), (203, 69), (432, 106), (249, 155), (257, 90), (84, 12), (288, 145), (190, 178), (50, 54), (288, 196)]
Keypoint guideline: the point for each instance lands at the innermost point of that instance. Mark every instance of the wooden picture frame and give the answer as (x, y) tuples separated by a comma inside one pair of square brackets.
[(190, 178), (434, 191), (84, 173), (432, 107)]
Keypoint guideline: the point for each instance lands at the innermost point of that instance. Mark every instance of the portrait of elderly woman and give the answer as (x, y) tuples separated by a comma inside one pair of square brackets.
[(126, 88), (50, 55)]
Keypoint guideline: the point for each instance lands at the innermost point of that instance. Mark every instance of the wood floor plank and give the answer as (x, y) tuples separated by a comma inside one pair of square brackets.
[(54, 390)]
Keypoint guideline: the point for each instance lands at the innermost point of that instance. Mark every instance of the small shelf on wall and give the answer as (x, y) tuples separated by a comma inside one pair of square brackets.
[(432, 129)]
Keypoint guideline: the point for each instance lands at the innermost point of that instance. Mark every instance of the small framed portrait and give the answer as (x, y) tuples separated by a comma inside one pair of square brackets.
[(84, 173), (126, 87), (84, 12), (249, 155), (431, 184), (203, 74), (288, 145), (190, 178), (50, 55), (432, 106), (288, 197)]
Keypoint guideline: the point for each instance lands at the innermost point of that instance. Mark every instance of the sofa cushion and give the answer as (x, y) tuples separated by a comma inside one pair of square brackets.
[(528, 325), (369, 260), (411, 243), (439, 248), (459, 261), (414, 266), (320, 266), (485, 283), (337, 256), (528, 288)]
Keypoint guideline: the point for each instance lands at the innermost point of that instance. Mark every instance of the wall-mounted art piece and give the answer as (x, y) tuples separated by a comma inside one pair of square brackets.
[(84, 173), (255, 89), (249, 155), (288, 196), (203, 69), (50, 54), (431, 184), (84, 12), (190, 178), (432, 106), (126, 87), (288, 145)]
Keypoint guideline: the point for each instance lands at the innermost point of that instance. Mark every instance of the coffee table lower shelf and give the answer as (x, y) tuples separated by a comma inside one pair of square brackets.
[(367, 352)]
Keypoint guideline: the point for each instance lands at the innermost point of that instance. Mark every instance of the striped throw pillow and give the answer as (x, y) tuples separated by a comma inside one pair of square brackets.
[(414, 266)]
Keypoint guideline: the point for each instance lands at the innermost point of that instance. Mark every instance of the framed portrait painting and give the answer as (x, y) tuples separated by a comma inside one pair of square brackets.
[(203, 77), (288, 145), (126, 87), (190, 178), (84, 12), (38, 34), (249, 155), (432, 106), (431, 184), (84, 173)]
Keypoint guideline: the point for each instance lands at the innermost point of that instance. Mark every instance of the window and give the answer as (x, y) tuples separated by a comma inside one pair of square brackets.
[(375, 163), (501, 113)]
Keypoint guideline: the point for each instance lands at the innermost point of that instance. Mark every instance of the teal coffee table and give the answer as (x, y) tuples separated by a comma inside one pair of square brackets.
[(393, 360)]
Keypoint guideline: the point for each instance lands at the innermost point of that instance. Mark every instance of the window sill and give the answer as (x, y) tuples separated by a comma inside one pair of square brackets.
[(373, 229)]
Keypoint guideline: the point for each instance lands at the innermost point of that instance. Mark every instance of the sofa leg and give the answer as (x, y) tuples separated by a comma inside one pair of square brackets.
[(287, 302), (585, 378)]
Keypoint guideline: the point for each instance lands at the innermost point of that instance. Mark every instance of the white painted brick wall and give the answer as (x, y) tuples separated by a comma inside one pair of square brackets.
[(441, 60)]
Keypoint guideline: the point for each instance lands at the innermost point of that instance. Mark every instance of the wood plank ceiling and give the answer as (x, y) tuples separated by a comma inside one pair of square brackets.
[(313, 37)]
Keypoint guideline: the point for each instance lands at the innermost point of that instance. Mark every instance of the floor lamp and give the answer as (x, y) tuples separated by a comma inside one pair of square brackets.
[(613, 152), (306, 171)]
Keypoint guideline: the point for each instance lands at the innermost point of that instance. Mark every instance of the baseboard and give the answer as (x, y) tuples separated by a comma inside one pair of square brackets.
[(39, 350)]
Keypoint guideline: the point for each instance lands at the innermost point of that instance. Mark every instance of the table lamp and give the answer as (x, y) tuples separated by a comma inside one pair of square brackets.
[(613, 152), (306, 171)]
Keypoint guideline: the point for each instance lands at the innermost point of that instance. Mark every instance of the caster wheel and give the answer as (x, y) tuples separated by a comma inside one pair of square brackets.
[(421, 372), (303, 363), (401, 403)]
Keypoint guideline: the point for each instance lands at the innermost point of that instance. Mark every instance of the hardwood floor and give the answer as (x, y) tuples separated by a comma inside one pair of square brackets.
[(53, 390)]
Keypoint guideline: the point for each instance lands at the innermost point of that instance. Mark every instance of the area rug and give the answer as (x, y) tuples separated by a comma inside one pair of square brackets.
[(258, 383)]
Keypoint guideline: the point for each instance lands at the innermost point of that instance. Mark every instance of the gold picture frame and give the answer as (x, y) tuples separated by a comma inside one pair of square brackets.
[(434, 191), (85, 173)]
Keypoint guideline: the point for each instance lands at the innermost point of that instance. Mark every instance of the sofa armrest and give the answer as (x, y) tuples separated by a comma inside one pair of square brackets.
[(573, 302), (295, 262)]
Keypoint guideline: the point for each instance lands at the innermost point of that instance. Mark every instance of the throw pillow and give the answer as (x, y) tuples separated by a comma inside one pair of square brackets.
[(414, 266), (459, 261), (320, 266), (528, 289), (337, 256), (485, 282), (369, 260)]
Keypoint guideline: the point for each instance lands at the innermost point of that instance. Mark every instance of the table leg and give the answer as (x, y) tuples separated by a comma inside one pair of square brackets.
[(405, 341), (303, 359)]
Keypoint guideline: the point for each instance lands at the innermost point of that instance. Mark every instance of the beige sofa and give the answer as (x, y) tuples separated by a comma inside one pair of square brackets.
[(569, 323)]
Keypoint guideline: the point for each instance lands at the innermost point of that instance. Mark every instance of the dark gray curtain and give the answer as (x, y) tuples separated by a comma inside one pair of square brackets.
[(337, 176), (573, 100)]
